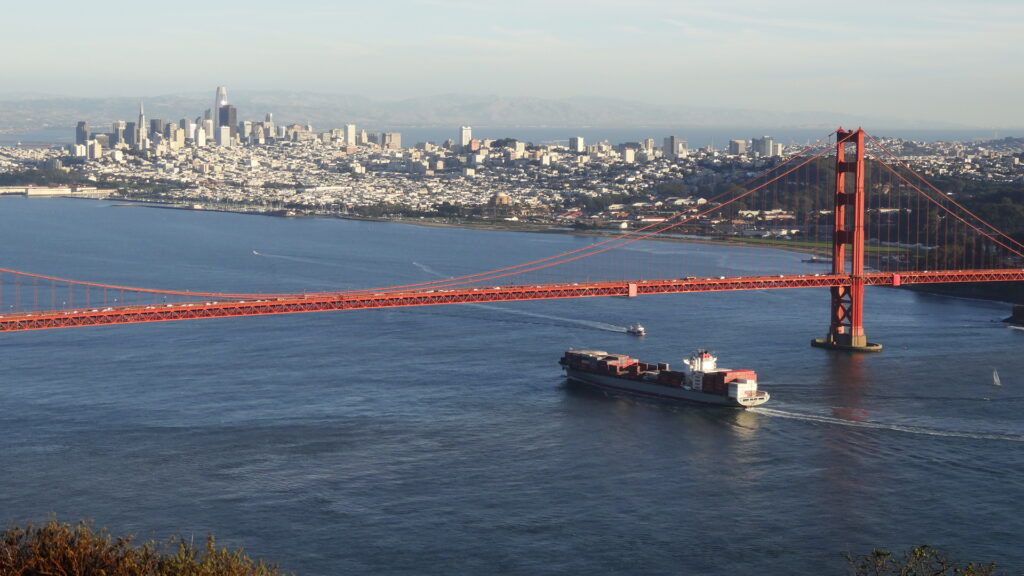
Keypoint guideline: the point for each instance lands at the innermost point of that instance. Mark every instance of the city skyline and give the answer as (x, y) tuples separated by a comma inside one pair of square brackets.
[(932, 62)]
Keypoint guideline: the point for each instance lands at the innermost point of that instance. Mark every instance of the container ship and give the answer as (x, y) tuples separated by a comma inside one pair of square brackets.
[(701, 381)]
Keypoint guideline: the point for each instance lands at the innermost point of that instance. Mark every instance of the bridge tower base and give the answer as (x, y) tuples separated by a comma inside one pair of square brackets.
[(862, 346), (846, 330)]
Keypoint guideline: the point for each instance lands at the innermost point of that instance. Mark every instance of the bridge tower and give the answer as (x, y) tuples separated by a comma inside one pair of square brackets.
[(846, 331)]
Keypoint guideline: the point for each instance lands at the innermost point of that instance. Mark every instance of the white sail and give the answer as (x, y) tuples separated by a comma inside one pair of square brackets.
[(995, 378)]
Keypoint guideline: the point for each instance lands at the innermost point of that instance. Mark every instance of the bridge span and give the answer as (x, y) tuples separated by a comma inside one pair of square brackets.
[(259, 305)]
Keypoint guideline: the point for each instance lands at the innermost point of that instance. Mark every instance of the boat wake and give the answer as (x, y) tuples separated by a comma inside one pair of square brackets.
[(1016, 327), (429, 270), (560, 319), (857, 423), (294, 259)]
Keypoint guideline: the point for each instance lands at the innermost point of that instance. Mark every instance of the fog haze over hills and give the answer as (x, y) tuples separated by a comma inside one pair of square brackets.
[(22, 111)]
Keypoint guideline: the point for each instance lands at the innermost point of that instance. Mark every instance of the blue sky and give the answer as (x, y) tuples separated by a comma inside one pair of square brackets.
[(935, 60)]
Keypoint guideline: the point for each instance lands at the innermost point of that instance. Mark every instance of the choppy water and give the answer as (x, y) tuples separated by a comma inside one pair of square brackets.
[(444, 440)]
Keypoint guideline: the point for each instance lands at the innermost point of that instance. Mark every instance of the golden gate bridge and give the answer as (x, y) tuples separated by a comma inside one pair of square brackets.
[(847, 201)]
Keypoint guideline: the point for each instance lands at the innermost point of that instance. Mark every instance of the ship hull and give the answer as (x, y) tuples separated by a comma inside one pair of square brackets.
[(651, 390)]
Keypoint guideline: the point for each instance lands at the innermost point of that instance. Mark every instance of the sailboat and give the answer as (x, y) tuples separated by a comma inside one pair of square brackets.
[(995, 378)]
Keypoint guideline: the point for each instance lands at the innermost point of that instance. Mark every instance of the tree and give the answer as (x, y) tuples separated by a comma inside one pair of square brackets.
[(448, 210), (671, 188)]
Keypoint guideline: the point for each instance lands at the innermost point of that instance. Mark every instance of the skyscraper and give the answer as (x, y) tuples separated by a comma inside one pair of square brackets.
[(350, 135), (465, 136), (228, 118), (576, 144), (224, 136), (131, 134), (268, 127), (143, 138), (82, 133), (188, 127), (220, 100), (763, 146), (674, 147), (391, 140), (117, 132), (175, 135)]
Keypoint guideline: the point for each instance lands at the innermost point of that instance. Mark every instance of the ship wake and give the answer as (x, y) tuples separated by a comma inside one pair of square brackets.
[(556, 319), (299, 259), (429, 270), (922, 430)]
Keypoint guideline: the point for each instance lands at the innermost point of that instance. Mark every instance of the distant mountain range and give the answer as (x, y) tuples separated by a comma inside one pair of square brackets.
[(23, 112)]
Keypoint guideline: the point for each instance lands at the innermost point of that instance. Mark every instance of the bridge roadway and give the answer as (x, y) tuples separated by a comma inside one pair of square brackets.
[(258, 305)]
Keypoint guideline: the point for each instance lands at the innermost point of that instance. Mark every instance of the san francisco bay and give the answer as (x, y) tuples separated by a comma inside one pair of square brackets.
[(445, 440)]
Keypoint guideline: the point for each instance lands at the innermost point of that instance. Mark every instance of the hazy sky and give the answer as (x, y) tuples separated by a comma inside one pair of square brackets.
[(940, 60)]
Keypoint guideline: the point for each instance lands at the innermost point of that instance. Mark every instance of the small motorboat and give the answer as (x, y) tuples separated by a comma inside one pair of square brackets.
[(816, 259), (636, 330)]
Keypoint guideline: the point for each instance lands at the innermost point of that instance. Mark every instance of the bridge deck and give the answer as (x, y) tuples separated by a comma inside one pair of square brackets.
[(259, 305)]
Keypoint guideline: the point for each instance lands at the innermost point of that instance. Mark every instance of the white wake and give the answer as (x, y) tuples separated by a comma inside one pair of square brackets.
[(578, 321), (883, 426)]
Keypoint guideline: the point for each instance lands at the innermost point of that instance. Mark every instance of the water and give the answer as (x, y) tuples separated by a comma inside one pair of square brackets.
[(444, 440), (51, 136)]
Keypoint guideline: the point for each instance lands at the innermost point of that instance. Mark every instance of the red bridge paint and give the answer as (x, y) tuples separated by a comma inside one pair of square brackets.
[(363, 301)]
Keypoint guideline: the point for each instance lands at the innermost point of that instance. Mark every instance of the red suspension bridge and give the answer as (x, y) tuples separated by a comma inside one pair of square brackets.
[(846, 202)]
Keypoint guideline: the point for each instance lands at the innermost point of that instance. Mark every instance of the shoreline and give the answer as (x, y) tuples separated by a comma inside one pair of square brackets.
[(483, 225)]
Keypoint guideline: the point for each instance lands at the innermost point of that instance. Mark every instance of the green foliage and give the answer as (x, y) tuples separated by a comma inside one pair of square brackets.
[(382, 210), (448, 210), (595, 204), (504, 143), (967, 188), (39, 177), (62, 549), (998, 203), (918, 561), (1006, 214), (671, 188)]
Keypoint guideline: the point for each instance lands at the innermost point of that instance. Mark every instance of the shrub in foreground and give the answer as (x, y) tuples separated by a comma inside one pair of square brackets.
[(918, 561), (62, 549)]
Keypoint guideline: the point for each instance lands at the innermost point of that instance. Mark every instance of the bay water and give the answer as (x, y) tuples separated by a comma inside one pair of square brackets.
[(442, 440)]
